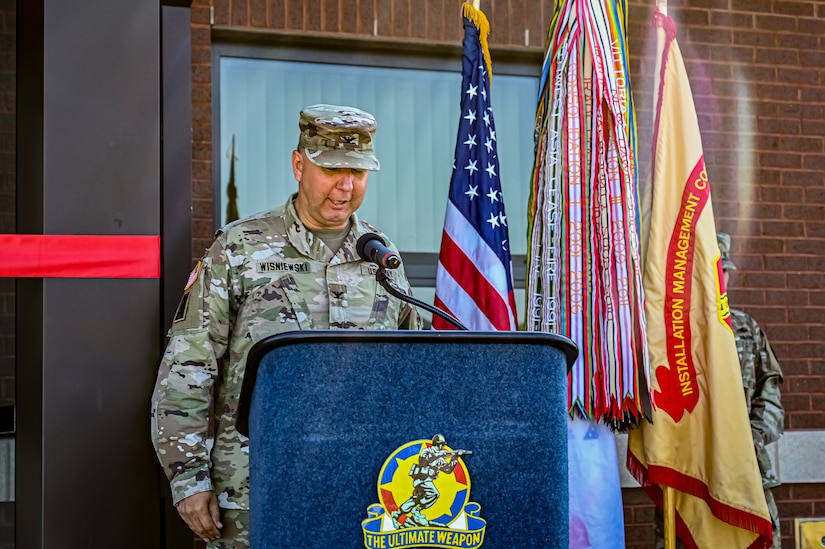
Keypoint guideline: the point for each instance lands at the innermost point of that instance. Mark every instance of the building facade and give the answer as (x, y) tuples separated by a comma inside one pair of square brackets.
[(757, 69)]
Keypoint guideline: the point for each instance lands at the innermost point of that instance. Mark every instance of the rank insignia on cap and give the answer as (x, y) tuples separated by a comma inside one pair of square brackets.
[(193, 276), (335, 136), (424, 492)]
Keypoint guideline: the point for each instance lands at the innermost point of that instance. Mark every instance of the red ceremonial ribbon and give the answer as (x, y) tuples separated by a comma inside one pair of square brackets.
[(79, 256)]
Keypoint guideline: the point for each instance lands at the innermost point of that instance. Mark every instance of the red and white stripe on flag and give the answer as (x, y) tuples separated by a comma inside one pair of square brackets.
[(472, 282)]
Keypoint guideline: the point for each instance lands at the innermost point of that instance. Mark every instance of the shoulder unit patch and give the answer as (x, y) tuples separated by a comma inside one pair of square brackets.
[(193, 276)]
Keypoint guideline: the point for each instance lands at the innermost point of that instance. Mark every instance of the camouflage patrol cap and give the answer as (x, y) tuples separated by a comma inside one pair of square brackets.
[(338, 137), (723, 239)]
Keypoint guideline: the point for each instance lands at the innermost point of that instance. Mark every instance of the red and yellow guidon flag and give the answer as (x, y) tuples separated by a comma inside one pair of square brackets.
[(700, 440)]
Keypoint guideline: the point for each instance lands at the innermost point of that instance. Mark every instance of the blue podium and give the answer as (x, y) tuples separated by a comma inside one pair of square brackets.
[(341, 427)]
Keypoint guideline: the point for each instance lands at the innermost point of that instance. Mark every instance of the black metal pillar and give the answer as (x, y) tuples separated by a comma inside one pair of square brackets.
[(91, 160), (177, 203)]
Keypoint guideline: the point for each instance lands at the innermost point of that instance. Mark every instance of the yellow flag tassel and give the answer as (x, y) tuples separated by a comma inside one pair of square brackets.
[(480, 21)]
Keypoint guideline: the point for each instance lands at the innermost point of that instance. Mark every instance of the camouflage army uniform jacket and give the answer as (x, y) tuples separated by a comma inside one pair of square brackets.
[(256, 280), (761, 377)]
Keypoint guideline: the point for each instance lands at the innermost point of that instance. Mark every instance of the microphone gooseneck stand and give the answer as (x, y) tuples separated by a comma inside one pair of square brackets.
[(384, 281)]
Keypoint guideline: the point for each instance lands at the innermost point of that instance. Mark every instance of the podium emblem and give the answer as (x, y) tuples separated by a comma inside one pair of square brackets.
[(424, 500)]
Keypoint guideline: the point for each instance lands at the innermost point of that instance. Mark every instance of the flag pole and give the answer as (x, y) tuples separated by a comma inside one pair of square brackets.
[(669, 505), (669, 513), (476, 4)]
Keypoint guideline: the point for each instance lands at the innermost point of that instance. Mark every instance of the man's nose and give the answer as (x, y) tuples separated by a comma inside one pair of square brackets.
[(345, 179)]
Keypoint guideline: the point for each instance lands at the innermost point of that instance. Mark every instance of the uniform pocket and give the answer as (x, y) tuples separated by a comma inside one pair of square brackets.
[(270, 309)]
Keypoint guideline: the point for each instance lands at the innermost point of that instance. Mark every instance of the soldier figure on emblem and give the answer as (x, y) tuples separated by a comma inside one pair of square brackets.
[(432, 460)]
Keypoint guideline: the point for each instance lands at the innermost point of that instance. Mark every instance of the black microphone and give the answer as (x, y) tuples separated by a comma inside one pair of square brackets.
[(371, 247)]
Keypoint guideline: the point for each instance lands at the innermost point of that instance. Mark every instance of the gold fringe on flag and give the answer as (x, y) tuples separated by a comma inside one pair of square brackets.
[(480, 21)]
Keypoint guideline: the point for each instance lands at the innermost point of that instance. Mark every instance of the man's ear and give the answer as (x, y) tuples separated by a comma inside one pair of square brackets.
[(297, 165)]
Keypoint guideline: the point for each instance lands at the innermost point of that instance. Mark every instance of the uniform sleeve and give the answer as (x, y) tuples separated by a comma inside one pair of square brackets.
[(183, 395), (767, 414)]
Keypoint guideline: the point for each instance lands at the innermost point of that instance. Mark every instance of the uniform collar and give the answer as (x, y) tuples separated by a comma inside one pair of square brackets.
[(308, 244)]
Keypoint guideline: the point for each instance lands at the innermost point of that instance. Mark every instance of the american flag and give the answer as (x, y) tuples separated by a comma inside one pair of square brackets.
[(474, 282)]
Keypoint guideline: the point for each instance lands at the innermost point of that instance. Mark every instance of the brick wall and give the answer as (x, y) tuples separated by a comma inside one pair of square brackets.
[(639, 531), (202, 229), (757, 68)]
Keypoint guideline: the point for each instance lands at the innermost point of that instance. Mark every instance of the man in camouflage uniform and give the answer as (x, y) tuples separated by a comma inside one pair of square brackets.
[(292, 268), (761, 378)]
